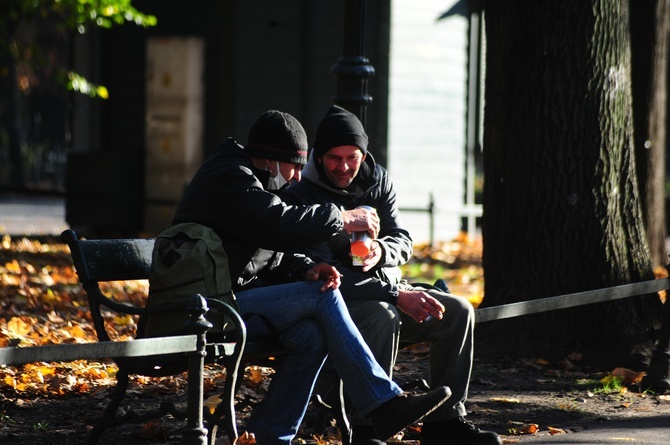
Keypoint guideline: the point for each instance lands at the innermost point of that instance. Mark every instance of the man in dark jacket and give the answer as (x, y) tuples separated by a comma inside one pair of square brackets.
[(340, 171), (229, 195)]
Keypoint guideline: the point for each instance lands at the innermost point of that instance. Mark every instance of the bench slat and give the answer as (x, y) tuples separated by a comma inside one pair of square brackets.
[(87, 351), (115, 260)]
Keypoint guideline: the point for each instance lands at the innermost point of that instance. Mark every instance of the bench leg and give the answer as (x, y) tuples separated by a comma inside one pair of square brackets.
[(109, 413), (224, 415), (341, 416), (658, 372), (195, 433), (334, 408)]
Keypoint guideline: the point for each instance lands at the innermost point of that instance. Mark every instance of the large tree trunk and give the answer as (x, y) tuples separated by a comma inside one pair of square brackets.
[(649, 20), (561, 203)]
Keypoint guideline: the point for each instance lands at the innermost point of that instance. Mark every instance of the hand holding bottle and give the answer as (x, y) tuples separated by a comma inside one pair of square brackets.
[(361, 219), (361, 243)]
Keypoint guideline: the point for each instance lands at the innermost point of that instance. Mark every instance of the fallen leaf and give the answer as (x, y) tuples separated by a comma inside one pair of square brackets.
[(212, 402), (476, 409), (628, 377), (246, 438), (525, 429), (504, 400), (18, 327)]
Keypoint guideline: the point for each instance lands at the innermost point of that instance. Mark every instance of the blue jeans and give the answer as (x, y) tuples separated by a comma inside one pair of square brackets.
[(313, 324)]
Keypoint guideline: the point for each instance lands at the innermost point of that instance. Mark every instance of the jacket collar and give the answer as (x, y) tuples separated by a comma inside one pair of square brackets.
[(364, 181)]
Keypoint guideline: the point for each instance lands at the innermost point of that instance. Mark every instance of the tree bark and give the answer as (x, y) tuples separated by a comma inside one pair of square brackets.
[(649, 21), (561, 205)]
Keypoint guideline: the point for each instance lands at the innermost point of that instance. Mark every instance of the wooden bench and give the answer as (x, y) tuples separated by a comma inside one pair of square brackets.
[(103, 260)]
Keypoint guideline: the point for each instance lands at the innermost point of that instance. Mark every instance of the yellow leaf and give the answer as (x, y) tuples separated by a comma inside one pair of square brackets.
[(9, 381), (75, 331), (476, 299), (504, 400), (212, 402), (46, 370), (123, 320), (50, 297), (17, 326), (13, 267)]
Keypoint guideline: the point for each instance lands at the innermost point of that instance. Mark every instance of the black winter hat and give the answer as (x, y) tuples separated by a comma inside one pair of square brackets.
[(278, 136), (339, 127)]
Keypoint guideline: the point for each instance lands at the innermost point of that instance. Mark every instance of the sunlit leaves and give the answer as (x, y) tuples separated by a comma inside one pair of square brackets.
[(61, 17), (43, 303), (81, 85), (76, 13), (457, 262)]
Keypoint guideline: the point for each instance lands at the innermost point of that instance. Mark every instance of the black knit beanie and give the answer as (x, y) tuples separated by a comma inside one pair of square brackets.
[(339, 127), (278, 136)]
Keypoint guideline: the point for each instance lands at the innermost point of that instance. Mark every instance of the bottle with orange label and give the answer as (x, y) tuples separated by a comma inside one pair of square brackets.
[(361, 243)]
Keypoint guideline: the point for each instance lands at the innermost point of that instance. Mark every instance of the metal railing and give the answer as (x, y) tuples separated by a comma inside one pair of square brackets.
[(658, 372), (431, 215)]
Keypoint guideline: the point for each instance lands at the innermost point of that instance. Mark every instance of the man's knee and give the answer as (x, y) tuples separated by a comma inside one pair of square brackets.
[(305, 336), (379, 317), (459, 306)]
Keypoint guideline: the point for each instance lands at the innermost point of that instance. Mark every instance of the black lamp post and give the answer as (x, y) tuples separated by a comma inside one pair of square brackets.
[(352, 70)]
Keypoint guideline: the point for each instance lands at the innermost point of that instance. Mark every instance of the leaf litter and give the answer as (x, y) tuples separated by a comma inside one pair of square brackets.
[(42, 303)]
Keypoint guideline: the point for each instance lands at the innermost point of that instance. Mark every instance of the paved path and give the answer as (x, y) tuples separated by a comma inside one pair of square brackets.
[(642, 430), (31, 214)]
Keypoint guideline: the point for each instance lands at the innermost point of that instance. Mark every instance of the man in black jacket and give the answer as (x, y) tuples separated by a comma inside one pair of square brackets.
[(229, 194), (386, 308)]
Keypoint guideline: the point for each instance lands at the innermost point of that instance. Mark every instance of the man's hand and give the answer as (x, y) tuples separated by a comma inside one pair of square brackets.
[(419, 305), (325, 272), (373, 257), (361, 220)]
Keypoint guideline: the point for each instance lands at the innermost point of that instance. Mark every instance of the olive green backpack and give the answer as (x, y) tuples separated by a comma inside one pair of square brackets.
[(187, 259)]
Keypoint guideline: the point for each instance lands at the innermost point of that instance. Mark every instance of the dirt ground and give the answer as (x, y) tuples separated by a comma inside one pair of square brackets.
[(507, 395)]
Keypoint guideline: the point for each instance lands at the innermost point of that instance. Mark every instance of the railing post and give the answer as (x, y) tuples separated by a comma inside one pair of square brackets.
[(431, 215), (195, 432), (658, 373)]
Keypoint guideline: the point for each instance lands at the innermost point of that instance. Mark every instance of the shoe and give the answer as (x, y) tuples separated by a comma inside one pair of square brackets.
[(458, 431), (364, 435), (402, 411)]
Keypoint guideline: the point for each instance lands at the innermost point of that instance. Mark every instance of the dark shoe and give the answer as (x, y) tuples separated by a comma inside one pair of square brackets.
[(364, 435), (458, 431), (402, 411)]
